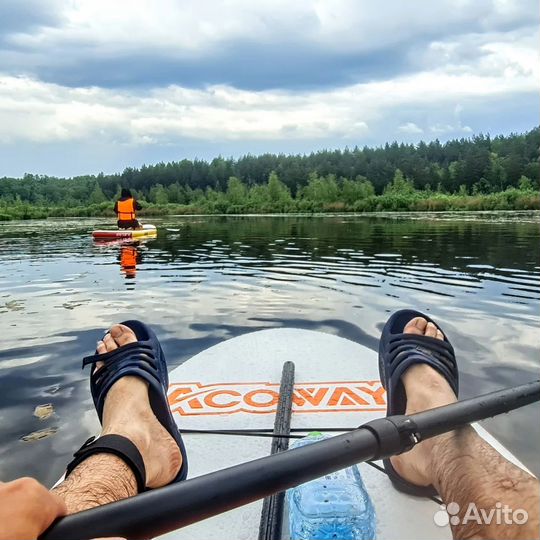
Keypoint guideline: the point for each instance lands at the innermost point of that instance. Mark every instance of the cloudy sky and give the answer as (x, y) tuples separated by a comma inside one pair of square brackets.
[(98, 85)]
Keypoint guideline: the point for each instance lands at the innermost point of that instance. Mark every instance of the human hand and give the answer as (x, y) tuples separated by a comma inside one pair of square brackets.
[(27, 509)]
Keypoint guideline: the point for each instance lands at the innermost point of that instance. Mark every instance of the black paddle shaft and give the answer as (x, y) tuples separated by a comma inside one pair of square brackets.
[(162, 510), (271, 522)]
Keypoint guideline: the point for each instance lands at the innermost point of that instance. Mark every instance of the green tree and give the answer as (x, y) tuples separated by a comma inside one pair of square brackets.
[(496, 174), (176, 193), (97, 196), (482, 186), (158, 194), (236, 192), (355, 190), (278, 193), (400, 185), (321, 189), (259, 198), (525, 184)]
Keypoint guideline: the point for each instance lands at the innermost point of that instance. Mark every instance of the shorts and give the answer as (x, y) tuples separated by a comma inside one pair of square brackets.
[(128, 224)]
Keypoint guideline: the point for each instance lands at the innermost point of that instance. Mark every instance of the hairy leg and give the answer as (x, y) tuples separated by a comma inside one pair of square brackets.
[(100, 479), (462, 466), (466, 470), (104, 478)]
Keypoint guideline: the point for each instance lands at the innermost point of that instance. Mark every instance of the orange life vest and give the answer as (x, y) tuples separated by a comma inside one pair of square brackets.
[(126, 210)]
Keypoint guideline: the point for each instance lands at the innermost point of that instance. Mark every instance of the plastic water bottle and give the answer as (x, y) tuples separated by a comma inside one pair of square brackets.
[(334, 506)]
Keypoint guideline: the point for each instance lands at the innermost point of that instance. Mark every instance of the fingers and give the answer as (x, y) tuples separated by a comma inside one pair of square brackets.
[(31, 508)]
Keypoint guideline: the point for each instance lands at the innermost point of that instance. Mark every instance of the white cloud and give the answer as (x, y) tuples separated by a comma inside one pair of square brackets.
[(410, 127), (38, 111), (440, 129)]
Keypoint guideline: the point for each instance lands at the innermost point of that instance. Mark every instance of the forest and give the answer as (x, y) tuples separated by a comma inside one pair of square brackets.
[(478, 173)]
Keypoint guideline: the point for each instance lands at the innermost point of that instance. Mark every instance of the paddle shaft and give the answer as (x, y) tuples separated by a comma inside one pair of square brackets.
[(272, 511), (159, 511)]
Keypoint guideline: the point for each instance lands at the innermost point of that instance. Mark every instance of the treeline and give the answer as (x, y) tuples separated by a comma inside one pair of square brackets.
[(481, 173)]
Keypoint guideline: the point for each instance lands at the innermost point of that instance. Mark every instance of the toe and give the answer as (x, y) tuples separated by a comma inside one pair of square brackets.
[(415, 326), (122, 335), (440, 335), (101, 348), (431, 330), (420, 323), (109, 342)]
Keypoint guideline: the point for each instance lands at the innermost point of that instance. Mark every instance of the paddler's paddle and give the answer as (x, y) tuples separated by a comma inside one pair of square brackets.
[(163, 510)]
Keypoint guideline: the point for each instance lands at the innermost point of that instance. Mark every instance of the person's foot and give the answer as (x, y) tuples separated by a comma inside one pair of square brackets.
[(127, 412), (425, 389)]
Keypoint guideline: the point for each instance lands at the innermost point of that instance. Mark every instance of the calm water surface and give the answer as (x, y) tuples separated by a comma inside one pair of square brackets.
[(207, 279)]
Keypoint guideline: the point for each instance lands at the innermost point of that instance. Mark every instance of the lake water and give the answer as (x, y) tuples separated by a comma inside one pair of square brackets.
[(207, 279)]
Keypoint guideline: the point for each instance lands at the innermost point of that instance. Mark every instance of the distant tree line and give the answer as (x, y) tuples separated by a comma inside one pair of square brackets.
[(454, 175)]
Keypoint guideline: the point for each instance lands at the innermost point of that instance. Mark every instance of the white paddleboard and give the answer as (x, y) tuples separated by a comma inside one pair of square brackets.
[(235, 385)]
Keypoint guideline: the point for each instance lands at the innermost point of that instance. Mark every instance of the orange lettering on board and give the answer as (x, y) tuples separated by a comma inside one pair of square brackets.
[(177, 395), (209, 399), (274, 398), (345, 396), (310, 395), (377, 395), (194, 403), (193, 399)]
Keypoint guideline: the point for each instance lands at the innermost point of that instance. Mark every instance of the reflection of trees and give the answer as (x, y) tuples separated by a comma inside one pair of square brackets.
[(452, 245), (449, 244)]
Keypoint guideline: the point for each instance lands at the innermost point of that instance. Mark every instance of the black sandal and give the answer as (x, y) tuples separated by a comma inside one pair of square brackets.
[(398, 352), (145, 359)]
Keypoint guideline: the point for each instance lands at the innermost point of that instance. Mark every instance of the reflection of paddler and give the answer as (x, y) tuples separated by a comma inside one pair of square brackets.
[(129, 257)]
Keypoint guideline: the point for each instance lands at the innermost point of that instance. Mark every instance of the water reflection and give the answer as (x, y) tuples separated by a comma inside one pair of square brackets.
[(206, 279), (129, 254), (129, 257)]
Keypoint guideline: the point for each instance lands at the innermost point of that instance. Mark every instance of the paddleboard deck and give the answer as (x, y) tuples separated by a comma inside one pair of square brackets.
[(235, 385), (145, 232)]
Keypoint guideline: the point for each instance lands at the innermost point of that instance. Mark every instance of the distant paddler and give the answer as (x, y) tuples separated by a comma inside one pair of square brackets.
[(126, 208)]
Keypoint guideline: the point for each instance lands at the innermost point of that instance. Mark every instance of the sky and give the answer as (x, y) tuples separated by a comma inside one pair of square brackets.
[(99, 85)]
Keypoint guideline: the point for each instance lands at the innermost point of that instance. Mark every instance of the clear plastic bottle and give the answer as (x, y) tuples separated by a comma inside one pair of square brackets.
[(334, 506)]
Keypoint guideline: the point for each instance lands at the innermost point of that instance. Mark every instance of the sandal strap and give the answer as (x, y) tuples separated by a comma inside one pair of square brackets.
[(126, 350), (133, 359), (117, 445), (407, 349)]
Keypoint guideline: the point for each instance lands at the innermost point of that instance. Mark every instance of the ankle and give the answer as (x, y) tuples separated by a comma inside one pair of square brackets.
[(426, 388)]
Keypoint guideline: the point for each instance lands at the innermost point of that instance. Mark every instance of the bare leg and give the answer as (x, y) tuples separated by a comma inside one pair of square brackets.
[(104, 478), (461, 465)]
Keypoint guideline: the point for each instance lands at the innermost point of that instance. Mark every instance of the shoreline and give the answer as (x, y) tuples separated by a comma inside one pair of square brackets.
[(512, 200)]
